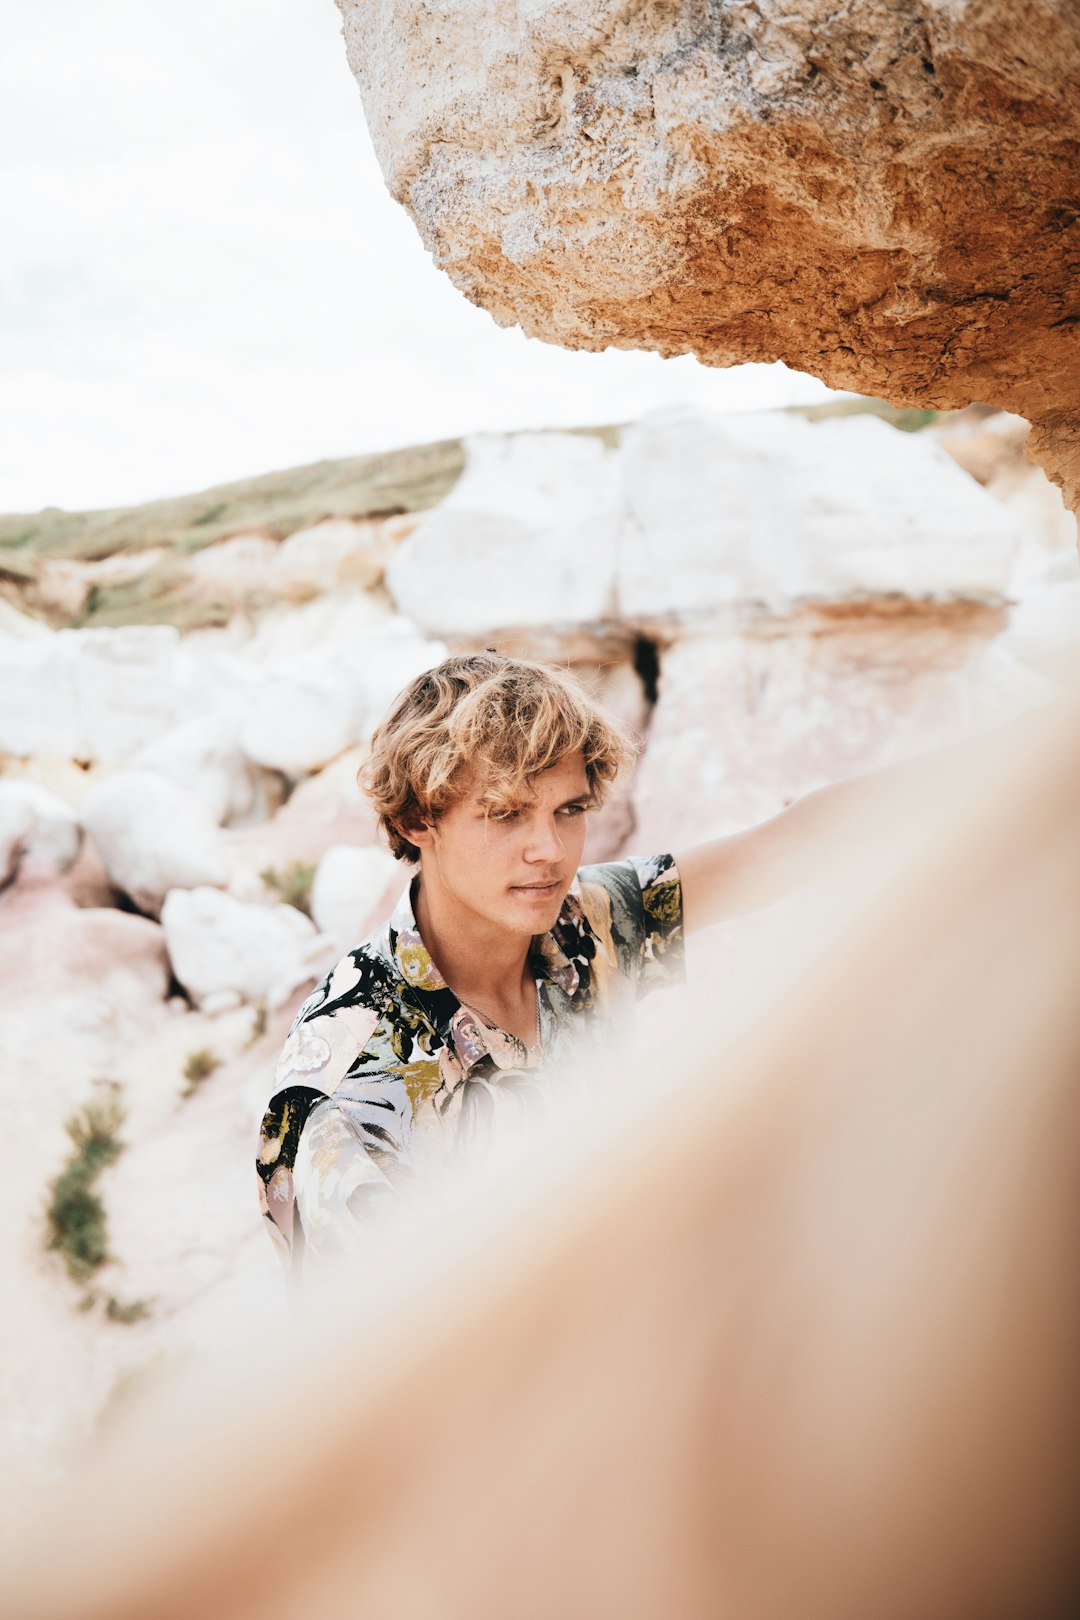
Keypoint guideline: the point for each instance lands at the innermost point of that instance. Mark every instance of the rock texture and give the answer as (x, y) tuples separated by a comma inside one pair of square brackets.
[(696, 513), (746, 722), (884, 193), (35, 823), (154, 835), (217, 943)]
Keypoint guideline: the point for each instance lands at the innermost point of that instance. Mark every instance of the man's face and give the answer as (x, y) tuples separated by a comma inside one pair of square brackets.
[(511, 867)]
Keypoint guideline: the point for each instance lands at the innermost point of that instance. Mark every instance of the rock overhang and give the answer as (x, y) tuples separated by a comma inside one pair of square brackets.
[(884, 194)]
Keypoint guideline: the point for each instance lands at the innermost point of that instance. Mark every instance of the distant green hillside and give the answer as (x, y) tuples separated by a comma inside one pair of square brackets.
[(276, 504)]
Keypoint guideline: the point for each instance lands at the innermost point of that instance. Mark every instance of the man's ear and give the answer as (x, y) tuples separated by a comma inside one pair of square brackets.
[(415, 832)]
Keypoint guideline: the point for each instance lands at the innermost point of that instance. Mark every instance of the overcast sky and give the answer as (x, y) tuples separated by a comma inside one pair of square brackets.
[(202, 275)]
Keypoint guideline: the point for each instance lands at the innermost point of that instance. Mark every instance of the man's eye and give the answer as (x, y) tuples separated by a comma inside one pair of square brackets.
[(573, 809), (505, 815)]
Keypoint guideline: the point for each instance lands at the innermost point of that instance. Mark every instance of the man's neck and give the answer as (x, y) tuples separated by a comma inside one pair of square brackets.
[(485, 965)]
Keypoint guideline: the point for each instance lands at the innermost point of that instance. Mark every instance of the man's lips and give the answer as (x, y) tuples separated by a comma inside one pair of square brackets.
[(537, 888)]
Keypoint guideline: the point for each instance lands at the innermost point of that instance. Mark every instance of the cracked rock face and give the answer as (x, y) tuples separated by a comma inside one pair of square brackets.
[(885, 193)]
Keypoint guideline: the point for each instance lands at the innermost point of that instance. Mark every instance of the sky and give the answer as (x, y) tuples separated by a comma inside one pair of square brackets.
[(203, 277)]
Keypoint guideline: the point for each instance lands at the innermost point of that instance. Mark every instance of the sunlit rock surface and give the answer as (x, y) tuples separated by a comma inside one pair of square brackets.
[(217, 943), (204, 756), (35, 823), (153, 835), (747, 721), (696, 512), (353, 890), (529, 535), (90, 695), (883, 195)]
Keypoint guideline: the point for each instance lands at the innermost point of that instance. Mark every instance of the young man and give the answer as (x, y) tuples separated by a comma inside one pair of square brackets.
[(505, 959)]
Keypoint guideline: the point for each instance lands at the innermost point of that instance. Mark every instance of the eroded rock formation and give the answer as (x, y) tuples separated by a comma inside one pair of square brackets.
[(885, 193)]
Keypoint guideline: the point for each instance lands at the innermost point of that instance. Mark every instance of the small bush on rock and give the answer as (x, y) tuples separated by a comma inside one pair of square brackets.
[(134, 1311), (258, 1023), (76, 1215), (292, 886), (200, 1066)]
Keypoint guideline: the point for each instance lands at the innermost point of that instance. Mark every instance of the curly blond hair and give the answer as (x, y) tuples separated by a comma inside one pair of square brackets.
[(486, 716)]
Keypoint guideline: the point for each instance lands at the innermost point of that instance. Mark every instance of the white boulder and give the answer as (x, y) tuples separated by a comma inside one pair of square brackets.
[(218, 944), (338, 621), (19, 625), (87, 694), (334, 554), (308, 711), (204, 756), (769, 508), (234, 568), (312, 706), (324, 809), (527, 536), (35, 822), (745, 723), (351, 890), (1044, 631), (154, 835)]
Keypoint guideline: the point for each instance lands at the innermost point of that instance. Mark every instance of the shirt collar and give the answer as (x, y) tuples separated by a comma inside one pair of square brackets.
[(405, 948)]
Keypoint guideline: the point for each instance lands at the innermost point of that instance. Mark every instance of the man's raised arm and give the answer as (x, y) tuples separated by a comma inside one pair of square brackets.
[(743, 871)]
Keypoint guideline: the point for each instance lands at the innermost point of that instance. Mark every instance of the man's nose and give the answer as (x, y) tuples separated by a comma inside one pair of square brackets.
[(545, 842)]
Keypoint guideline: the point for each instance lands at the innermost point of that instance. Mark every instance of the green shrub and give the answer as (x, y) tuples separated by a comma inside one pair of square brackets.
[(293, 885), (200, 1066), (134, 1311), (76, 1215), (258, 1022)]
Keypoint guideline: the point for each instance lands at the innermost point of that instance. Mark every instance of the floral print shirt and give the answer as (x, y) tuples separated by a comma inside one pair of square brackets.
[(385, 1069)]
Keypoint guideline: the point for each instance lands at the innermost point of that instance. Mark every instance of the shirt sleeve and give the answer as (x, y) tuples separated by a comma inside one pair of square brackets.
[(645, 897), (327, 1139)]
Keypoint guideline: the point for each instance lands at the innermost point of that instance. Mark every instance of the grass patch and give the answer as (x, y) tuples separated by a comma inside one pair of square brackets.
[(278, 503), (292, 886), (136, 1310), (165, 594), (200, 1066), (76, 1215), (907, 418), (411, 479), (258, 1023)]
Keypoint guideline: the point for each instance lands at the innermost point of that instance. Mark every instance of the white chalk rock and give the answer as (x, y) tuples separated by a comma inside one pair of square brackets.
[(88, 694), (769, 508), (35, 822), (124, 686), (217, 944), (236, 566), (154, 835), (388, 660), (527, 536), (324, 809), (19, 625), (1044, 631), (746, 723), (307, 712), (351, 887), (314, 705), (211, 671), (336, 622), (336, 553), (204, 756)]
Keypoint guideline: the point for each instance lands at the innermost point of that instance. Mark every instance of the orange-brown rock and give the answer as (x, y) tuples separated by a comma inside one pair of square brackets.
[(885, 194)]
